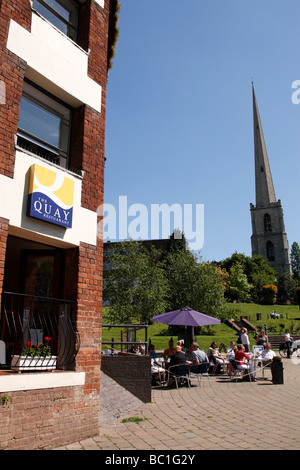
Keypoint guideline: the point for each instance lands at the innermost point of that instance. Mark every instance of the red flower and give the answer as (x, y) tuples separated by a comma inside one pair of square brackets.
[(47, 338), (28, 344)]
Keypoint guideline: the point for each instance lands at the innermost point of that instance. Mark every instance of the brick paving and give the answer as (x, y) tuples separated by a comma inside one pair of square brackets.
[(224, 416)]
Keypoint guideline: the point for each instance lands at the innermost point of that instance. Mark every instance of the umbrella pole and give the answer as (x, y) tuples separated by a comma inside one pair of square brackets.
[(193, 333)]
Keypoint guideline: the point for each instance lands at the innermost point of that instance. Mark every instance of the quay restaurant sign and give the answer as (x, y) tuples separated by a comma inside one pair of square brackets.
[(50, 196)]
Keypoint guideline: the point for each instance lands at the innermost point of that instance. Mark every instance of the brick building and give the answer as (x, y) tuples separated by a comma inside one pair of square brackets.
[(54, 58)]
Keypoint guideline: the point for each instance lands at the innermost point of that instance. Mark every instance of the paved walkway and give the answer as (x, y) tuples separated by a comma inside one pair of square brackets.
[(226, 415)]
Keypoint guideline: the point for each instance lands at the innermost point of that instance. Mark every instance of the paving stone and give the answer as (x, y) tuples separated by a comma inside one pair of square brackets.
[(208, 418)]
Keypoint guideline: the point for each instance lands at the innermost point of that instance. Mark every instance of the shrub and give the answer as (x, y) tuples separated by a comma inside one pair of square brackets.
[(269, 293)]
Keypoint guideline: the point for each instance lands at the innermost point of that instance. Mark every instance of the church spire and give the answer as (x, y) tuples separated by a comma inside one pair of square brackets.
[(264, 189)]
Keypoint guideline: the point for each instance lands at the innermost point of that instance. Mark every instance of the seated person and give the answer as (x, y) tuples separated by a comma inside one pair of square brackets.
[(240, 356), (151, 351), (156, 371), (170, 350), (231, 350), (133, 349), (215, 353), (267, 355), (177, 358), (141, 349), (180, 343), (197, 356)]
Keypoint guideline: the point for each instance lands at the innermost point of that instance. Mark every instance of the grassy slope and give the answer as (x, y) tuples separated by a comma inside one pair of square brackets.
[(222, 333)]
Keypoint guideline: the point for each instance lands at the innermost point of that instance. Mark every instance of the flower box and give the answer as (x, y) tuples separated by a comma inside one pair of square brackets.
[(45, 363)]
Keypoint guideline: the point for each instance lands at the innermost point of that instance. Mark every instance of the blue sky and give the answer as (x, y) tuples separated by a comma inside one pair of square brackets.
[(179, 126)]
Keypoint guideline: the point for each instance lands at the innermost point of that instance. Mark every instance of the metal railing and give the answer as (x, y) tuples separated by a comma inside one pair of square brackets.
[(127, 338), (29, 319)]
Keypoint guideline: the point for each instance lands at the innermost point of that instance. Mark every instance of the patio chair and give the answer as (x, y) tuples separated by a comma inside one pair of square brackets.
[(180, 373), (200, 370), (237, 372), (216, 367), (257, 349)]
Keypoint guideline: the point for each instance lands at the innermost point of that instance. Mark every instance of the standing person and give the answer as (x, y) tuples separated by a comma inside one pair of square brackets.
[(288, 341), (245, 339)]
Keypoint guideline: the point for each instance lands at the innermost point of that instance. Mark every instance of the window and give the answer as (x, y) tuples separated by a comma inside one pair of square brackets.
[(44, 126), (61, 13), (270, 251), (267, 223)]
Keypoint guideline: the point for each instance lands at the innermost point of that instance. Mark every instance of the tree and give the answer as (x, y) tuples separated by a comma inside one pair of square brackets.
[(298, 296), (135, 285), (286, 287), (195, 284), (238, 285), (295, 260), (257, 270)]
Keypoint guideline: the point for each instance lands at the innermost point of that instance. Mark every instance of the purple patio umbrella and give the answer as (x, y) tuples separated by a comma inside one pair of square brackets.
[(186, 316)]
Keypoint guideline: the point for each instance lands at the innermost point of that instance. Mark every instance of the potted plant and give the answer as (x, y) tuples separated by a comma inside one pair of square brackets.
[(35, 357)]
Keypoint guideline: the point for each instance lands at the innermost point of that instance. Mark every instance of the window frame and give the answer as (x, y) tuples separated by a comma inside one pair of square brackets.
[(35, 144), (73, 26), (267, 223), (270, 248)]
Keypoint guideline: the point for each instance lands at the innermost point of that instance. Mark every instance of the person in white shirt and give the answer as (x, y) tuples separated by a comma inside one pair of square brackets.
[(245, 340), (267, 355), (288, 341)]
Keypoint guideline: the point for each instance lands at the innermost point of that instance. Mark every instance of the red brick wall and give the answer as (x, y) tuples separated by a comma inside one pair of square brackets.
[(46, 419), (12, 70)]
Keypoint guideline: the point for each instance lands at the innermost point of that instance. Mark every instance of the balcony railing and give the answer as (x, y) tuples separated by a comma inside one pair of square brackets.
[(27, 318)]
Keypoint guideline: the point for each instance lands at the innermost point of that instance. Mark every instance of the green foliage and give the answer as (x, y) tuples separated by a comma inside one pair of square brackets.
[(238, 285), (295, 260), (38, 350), (269, 293), (4, 400), (113, 31), (298, 296), (286, 287), (135, 286), (140, 285), (257, 270), (195, 284)]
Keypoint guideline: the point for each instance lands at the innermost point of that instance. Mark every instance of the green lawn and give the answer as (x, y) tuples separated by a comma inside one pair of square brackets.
[(158, 332)]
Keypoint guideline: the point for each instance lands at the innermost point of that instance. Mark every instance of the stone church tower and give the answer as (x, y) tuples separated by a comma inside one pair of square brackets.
[(268, 232)]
